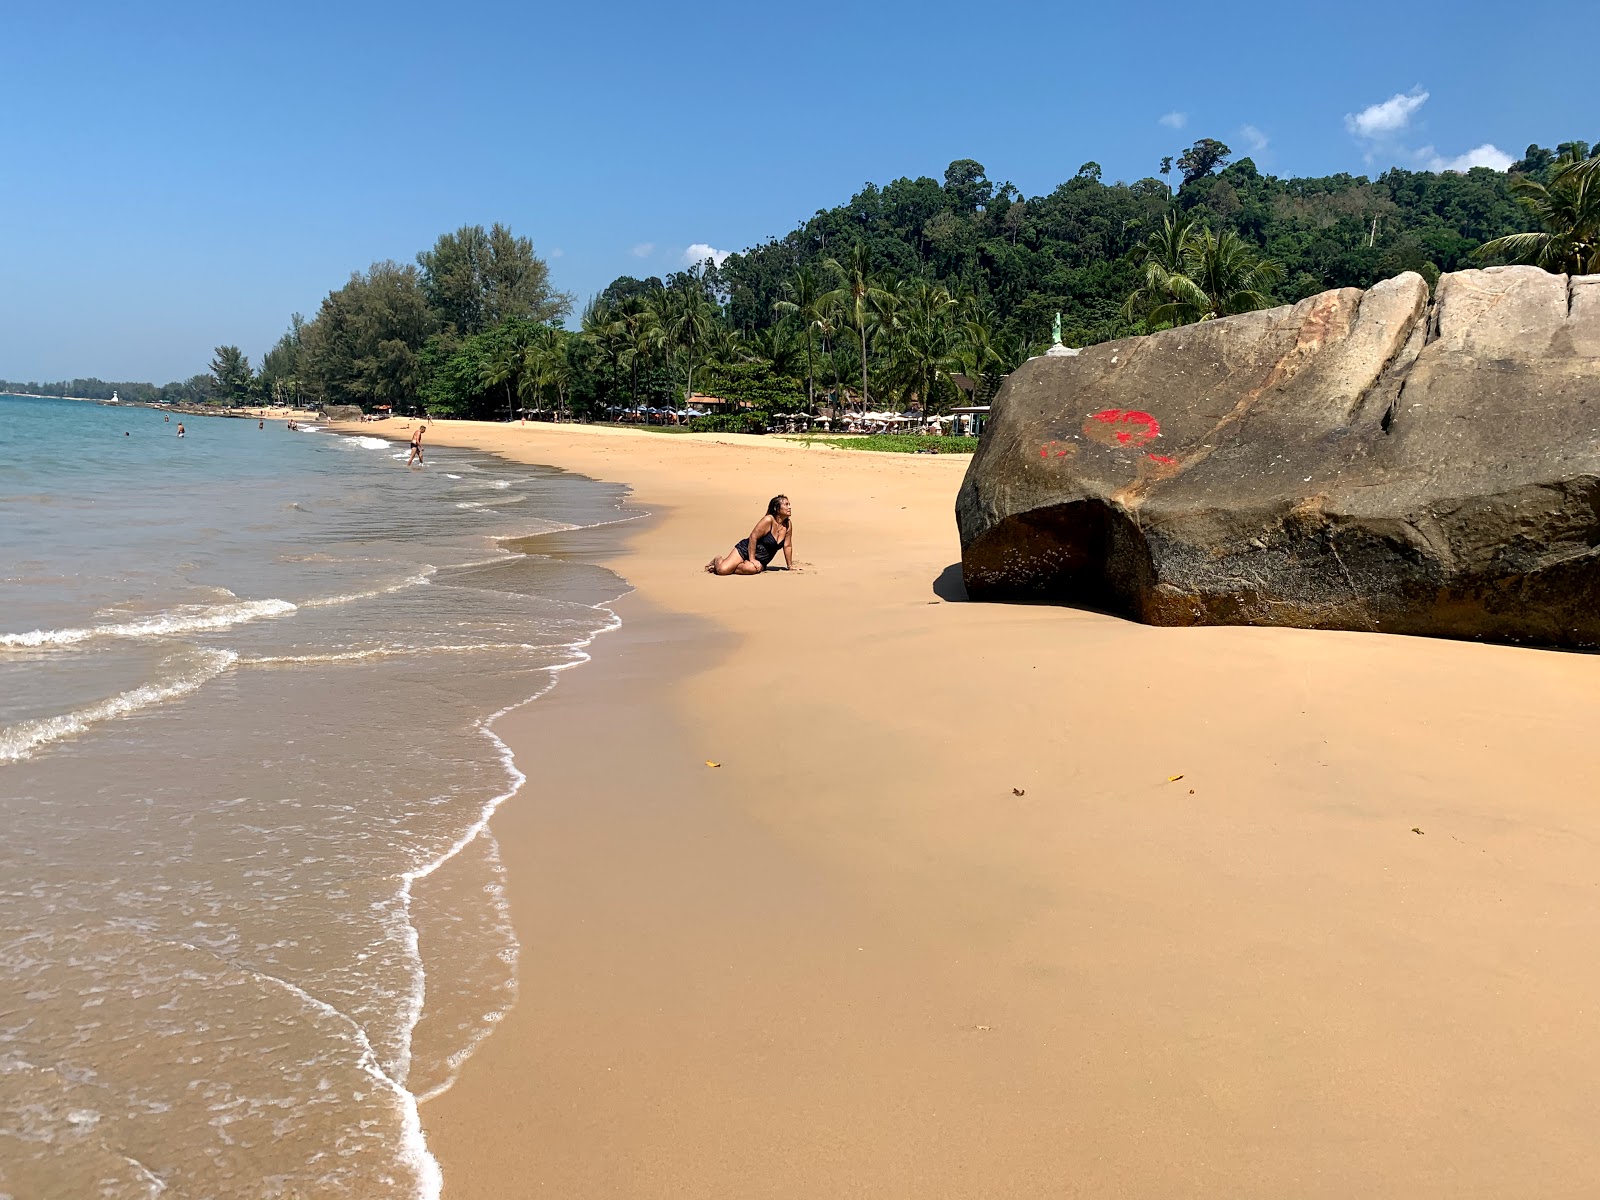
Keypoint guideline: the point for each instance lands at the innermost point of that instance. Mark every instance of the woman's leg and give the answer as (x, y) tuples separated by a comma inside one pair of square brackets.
[(733, 563)]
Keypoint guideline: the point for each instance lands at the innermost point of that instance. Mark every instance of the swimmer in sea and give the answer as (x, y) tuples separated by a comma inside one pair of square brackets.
[(261, 424), (416, 446), (180, 428)]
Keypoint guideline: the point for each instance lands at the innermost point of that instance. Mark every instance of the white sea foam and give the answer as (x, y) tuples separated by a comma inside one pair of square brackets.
[(366, 443), (396, 650), (502, 484), (19, 741), (579, 654), (450, 476), (370, 593), (414, 1144), (189, 618)]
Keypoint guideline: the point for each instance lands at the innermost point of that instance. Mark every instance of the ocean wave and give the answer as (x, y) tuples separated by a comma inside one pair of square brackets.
[(391, 651), (351, 597), (19, 741), (366, 443), (186, 619)]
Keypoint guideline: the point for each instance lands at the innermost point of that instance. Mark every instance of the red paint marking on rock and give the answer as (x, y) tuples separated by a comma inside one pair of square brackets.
[(1114, 426)]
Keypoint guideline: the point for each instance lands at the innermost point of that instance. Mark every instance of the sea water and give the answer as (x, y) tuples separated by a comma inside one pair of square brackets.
[(251, 911)]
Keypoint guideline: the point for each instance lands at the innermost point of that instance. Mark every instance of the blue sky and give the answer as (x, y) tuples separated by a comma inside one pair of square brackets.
[(181, 175)]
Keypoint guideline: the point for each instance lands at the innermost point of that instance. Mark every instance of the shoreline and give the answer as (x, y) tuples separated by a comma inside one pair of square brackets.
[(942, 924)]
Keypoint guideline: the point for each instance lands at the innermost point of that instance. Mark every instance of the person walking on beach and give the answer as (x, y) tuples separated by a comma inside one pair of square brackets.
[(416, 446), (755, 553)]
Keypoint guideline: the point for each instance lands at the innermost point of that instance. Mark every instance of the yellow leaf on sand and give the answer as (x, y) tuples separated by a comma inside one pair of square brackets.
[(709, 763), (1174, 778)]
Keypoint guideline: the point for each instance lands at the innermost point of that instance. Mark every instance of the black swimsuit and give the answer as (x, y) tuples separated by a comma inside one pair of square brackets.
[(767, 548)]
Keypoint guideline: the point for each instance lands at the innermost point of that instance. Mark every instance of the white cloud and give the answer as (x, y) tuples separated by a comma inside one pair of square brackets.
[(643, 250), (1174, 120), (1253, 138), (701, 251), (1388, 117), (557, 252), (1486, 155)]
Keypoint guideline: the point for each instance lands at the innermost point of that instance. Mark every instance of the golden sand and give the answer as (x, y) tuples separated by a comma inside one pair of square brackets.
[(1019, 901)]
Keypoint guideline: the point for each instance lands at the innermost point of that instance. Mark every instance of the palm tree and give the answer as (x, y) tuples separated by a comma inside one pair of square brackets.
[(1192, 274), (547, 363), (603, 331), (503, 365), (927, 338), (687, 321), (806, 302), (859, 290), (641, 337), (1164, 253), (1569, 210), (977, 352)]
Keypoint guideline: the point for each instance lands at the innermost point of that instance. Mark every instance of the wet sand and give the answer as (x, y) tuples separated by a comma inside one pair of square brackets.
[(942, 924)]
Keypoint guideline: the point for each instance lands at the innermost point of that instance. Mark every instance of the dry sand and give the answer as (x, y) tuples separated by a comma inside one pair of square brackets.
[(941, 925)]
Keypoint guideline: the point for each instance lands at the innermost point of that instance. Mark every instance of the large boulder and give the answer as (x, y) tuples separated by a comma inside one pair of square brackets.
[(341, 412), (1361, 460)]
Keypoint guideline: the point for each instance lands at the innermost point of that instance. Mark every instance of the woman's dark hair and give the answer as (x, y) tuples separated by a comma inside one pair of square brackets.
[(772, 505)]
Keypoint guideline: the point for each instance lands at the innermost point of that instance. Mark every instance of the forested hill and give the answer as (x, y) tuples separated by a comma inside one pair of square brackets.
[(1073, 250)]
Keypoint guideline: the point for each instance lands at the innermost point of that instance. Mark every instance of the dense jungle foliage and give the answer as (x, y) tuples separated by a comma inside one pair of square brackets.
[(919, 291)]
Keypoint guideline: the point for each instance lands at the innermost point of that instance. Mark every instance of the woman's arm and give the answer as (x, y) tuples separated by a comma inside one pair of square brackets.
[(788, 545)]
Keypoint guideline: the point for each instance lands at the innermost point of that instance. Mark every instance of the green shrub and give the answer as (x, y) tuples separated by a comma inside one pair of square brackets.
[(902, 443), (739, 422)]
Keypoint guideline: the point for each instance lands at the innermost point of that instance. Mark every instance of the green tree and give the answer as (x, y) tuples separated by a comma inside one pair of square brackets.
[(1568, 209), (859, 292), (507, 358), (231, 375), (1192, 274), (927, 339), (805, 300), (687, 319), (475, 279), (1202, 158), (366, 343)]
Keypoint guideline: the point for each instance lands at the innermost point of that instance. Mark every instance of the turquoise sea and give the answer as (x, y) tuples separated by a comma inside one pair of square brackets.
[(251, 912)]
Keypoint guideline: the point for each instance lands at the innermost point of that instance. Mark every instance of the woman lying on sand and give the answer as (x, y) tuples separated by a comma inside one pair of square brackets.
[(772, 531)]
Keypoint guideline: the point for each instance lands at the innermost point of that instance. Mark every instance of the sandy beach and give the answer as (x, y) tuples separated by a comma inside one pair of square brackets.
[(1017, 901)]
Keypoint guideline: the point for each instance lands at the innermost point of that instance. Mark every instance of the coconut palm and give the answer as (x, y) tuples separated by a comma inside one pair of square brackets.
[(1192, 274), (927, 338), (604, 331), (547, 364), (1569, 209), (641, 338), (503, 365), (806, 301), (859, 291), (688, 317)]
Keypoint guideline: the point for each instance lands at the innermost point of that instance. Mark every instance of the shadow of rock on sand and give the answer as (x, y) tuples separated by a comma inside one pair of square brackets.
[(950, 585)]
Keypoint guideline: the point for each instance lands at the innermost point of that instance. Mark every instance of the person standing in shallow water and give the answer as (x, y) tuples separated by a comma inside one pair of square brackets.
[(754, 554), (416, 447)]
